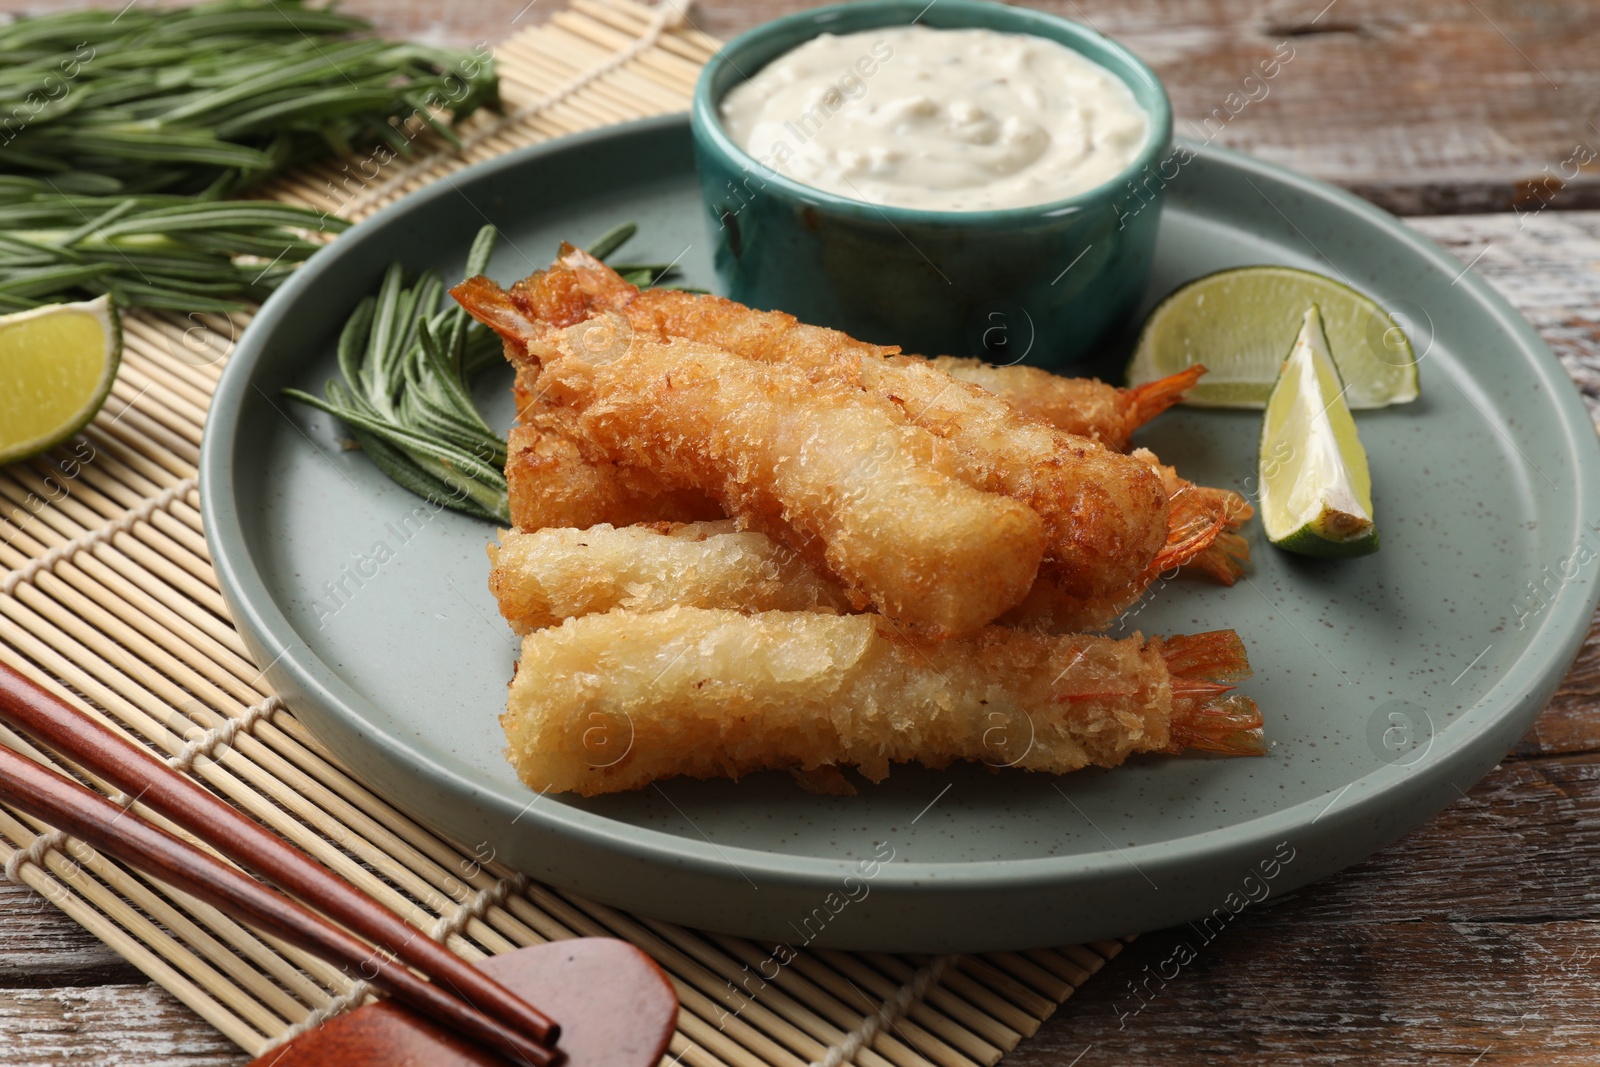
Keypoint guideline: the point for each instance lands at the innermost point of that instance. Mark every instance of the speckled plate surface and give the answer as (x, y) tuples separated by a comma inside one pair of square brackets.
[(1389, 683)]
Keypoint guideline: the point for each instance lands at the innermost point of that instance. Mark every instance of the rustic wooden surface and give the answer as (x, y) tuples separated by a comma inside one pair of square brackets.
[(1422, 105), (1425, 106), (1472, 941)]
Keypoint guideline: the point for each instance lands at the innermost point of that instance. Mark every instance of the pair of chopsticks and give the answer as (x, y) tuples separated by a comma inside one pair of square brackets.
[(460, 997)]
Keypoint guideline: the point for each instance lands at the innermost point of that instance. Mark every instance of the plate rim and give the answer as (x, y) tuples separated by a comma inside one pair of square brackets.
[(261, 620)]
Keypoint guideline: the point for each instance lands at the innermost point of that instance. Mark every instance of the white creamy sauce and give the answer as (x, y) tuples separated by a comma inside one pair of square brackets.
[(961, 120)]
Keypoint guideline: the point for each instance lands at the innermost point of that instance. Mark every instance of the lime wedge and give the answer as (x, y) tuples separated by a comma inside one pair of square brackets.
[(57, 364), (1316, 491), (1239, 323)]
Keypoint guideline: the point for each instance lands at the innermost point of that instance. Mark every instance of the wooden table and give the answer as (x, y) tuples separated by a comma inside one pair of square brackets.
[(1472, 941)]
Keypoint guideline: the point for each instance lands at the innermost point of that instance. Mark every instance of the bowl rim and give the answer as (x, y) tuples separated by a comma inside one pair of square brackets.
[(709, 133)]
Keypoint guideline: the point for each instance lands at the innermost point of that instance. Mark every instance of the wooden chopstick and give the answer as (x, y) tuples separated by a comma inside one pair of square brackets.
[(65, 729), (110, 828)]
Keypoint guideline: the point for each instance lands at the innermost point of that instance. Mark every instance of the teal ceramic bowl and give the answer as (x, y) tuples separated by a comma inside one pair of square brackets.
[(1043, 284)]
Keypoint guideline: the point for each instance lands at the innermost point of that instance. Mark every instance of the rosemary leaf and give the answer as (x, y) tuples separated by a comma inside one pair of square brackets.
[(612, 240), (407, 356), (105, 108)]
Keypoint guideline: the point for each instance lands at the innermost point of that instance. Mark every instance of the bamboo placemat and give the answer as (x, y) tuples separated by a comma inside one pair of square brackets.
[(108, 598)]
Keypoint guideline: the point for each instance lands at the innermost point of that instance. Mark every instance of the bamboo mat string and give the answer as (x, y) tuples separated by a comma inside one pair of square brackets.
[(347, 1001), (34, 854), (109, 600), (208, 742), (903, 1000), (479, 906), (121, 524)]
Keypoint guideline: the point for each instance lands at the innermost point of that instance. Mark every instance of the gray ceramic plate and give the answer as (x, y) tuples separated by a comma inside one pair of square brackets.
[(1389, 683)]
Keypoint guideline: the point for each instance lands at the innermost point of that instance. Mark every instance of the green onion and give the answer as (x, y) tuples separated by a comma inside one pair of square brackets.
[(407, 358)]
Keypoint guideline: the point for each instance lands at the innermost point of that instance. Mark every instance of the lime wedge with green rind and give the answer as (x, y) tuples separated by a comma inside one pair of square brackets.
[(1240, 322), (57, 364), (1316, 489)]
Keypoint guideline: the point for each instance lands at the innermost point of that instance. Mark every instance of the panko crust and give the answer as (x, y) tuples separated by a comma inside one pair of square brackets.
[(818, 466), (714, 693), (541, 578), (552, 484), (1105, 515)]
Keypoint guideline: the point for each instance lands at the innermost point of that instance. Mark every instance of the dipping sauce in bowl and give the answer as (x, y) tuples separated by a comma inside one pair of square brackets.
[(960, 177), (946, 120)]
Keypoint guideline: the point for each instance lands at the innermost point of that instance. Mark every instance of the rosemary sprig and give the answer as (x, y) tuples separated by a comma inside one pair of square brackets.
[(406, 393), (156, 251), (216, 97), (642, 275), (407, 362), (123, 130)]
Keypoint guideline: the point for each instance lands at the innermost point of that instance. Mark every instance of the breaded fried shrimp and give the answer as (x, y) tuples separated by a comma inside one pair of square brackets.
[(545, 577), (550, 483), (1083, 406), (819, 466), (1105, 515), (709, 693)]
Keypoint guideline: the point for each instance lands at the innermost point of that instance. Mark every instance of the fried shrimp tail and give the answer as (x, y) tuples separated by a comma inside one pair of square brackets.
[(1086, 407), (1203, 533), (1202, 539), (1224, 560), (1145, 402), (710, 693), (542, 578), (1206, 713)]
